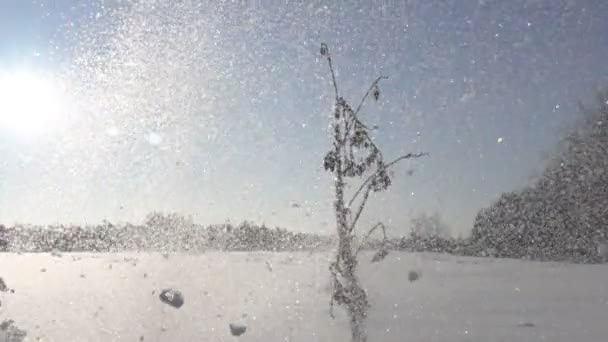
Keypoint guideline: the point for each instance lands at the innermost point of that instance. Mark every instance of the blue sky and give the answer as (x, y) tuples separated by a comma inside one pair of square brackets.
[(221, 111)]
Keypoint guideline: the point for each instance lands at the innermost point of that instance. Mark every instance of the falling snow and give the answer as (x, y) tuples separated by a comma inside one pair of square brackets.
[(162, 170)]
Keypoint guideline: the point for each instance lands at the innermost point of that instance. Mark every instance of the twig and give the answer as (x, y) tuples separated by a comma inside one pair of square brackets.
[(334, 269), (369, 91), (331, 69), (356, 112), (378, 225), (355, 119), (407, 156), (361, 207)]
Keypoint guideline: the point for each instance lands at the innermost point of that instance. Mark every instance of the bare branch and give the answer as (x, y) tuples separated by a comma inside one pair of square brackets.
[(355, 119), (378, 225), (361, 207), (403, 157), (369, 91), (331, 69)]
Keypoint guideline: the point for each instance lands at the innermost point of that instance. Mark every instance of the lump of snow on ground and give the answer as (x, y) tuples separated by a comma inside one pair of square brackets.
[(172, 297), (413, 276), (237, 328)]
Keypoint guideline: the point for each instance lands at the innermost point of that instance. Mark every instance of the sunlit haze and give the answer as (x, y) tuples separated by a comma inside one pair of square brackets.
[(31, 104)]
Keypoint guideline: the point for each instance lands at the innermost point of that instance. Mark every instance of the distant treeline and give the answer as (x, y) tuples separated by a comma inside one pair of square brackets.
[(172, 232), (160, 232), (175, 234)]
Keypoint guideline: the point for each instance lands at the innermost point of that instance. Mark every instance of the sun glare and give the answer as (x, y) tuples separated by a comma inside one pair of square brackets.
[(31, 104)]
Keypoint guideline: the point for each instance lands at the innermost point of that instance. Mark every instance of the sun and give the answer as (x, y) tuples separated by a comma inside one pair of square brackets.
[(31, 104)]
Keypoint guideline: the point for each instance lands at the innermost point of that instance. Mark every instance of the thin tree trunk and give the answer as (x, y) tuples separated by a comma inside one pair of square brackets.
[(357, 326), (355, 298)]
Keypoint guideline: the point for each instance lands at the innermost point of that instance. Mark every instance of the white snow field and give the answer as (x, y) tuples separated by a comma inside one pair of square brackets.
[(285, 297)]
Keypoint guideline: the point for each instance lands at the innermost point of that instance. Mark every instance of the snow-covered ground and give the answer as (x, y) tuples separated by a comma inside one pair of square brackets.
[(285, 297)]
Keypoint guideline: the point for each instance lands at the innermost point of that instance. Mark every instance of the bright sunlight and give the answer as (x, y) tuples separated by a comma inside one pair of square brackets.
[(31, 104)]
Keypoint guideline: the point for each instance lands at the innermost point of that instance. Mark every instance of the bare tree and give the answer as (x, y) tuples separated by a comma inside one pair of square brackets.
[(428, 227), (354, 155)]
